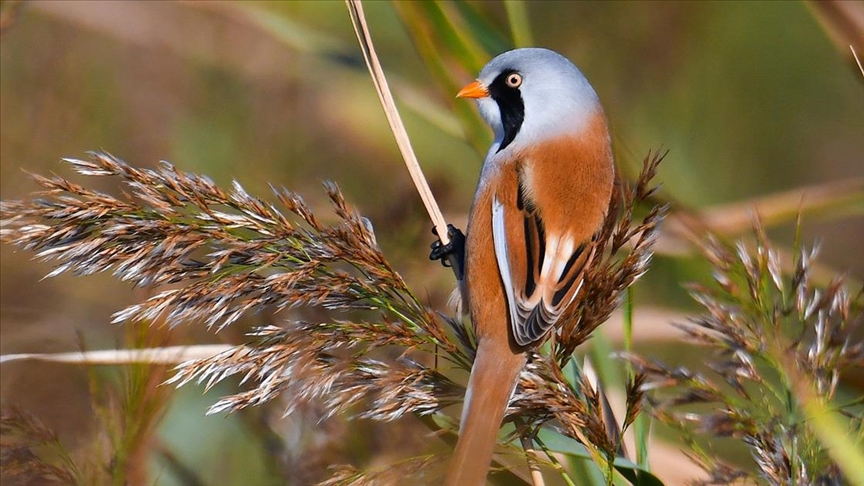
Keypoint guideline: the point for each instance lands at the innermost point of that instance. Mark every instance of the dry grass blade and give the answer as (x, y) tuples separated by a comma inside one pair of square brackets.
[(164, 355), (358, 19), (857, 60)]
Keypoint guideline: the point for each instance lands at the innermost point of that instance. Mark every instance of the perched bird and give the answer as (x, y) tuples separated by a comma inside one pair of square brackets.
[(544, 191)]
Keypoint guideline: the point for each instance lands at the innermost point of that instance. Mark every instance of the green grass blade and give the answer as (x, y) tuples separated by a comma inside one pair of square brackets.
[(605, 365), (520, 26), (491, 37), (429, 32), (642, 424), (846, 450)]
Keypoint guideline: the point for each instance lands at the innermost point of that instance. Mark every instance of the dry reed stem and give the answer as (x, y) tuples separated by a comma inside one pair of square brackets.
[(857, 60), (163, 355), (531, 457), (358, 20)]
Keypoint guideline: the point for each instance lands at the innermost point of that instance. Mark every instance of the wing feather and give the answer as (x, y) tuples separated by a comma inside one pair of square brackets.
[(499, 238), (554, 267)]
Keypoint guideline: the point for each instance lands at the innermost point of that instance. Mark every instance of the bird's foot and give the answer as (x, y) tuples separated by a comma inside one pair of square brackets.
[(453, 253)]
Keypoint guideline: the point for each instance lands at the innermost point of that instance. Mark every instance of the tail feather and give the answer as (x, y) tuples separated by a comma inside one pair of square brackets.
[(493, 378)]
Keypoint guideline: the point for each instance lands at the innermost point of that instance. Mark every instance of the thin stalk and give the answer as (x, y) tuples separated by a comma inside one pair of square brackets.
[(531, 457), (642, 422), (555, 463), (857, 60), (520, 27), (358, 19)]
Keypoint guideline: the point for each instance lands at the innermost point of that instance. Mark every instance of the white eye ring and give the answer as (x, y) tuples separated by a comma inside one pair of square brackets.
[(514, 80)]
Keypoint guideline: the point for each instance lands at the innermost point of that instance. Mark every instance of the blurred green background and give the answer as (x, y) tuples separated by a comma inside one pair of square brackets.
[(752, 99)]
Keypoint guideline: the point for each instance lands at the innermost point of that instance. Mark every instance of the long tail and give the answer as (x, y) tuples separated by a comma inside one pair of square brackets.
[(493, 378)]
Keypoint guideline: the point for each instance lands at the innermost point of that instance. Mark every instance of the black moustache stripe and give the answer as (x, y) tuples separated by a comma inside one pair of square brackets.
[(511, 106)]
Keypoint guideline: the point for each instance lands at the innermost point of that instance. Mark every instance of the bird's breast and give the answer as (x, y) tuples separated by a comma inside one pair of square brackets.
[(569, 179)]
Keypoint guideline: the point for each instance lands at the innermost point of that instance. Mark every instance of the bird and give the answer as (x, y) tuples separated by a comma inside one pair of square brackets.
[(543, 193)]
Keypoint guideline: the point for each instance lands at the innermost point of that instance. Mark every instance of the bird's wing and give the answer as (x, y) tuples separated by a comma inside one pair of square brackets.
[(541, 273)]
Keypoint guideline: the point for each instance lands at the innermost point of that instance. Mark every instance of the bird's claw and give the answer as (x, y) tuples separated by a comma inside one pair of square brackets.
[(452, 252), (440, 251)]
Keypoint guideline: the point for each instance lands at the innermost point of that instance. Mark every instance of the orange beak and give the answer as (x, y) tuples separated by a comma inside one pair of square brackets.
[(474, 90)]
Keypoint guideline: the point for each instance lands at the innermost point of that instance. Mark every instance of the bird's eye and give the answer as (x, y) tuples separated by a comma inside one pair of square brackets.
[(514, 80)]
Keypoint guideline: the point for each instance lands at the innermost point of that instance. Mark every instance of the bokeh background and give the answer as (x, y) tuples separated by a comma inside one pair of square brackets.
[(759, 104)]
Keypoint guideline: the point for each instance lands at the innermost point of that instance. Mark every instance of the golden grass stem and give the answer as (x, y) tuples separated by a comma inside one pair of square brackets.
[(164, 355), (531, 457), (857, 60), (358, 19)]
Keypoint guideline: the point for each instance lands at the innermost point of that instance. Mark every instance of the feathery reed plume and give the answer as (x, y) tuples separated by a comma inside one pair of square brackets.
[(27, 445), (390, 474), (226, 254), (624, 250), (127, 406), (775, 338), (255, 256)]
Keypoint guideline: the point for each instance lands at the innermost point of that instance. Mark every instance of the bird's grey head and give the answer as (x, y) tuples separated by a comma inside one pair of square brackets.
[(530, 94)]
